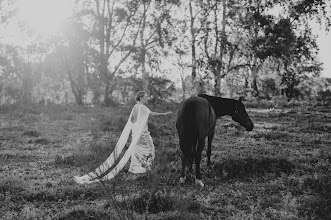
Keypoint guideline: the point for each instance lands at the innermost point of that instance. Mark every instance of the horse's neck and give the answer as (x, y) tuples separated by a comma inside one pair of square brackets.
[(224, 107)]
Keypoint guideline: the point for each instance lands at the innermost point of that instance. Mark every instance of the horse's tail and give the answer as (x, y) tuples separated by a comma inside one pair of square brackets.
[(189, 130)]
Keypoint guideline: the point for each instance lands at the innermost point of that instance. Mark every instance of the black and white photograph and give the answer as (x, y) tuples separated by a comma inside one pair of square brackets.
[(165, 110)]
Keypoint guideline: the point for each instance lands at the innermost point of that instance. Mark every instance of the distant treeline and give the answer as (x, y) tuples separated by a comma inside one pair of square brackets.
[(108, 50)]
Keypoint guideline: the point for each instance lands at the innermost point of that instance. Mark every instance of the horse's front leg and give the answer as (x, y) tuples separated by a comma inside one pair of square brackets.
[(210, 139)]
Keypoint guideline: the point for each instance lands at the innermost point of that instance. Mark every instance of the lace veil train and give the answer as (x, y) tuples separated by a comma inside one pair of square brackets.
[(104, 171)]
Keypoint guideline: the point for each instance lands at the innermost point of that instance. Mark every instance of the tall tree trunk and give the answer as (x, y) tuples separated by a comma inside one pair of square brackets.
[(246, 81), (143, 49), (255, 68), (107, 100), (193, 50), (219, 62), (254, 75), (74, 87), (184, 90), (104, 24), (75, 90), (27, 86), (144, 72), (66, 99), (182, 77)]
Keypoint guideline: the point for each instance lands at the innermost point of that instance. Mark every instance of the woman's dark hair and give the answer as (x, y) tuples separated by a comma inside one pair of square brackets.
[(140, 94)]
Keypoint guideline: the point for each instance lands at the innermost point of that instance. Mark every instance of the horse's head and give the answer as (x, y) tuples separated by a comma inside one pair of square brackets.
[(240, 115)]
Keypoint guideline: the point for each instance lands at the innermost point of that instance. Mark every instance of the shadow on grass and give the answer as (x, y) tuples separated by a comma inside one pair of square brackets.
[(17, 190), (63, 161), (11, 185), (86, 215), (62, 194), (318, 204), (39, 140), (16, 158), (31, 133), (274, 135), (243, 168), (156, 203)]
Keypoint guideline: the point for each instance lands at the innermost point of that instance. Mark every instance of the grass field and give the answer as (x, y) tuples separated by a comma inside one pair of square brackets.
[(280, 170)]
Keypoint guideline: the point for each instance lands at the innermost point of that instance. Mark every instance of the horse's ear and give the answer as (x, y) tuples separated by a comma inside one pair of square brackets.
[(241, 99)]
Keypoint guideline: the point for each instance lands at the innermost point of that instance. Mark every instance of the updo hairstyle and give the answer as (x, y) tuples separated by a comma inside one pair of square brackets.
[(139, 95)]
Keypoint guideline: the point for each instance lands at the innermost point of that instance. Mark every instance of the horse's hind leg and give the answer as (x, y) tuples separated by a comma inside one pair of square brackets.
[(210, 139), (192, 156), (184, 161), (201, 144)]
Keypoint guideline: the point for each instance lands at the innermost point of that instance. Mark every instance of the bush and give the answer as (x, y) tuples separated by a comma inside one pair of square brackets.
[(159, 89), (324, 97), (260, 104), (61, 161), (31, 133), (280, 101), (318, 204)]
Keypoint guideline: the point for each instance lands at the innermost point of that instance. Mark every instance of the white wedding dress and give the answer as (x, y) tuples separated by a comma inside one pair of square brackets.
[(141, 149)]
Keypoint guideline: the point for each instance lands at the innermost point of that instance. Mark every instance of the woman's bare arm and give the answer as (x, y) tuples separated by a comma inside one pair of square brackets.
[(159, 113)]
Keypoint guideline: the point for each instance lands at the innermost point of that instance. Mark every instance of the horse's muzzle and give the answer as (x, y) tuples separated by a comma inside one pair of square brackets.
[(248, 124)]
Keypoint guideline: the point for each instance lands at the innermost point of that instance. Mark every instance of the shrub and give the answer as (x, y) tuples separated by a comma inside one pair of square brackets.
[(280, 101), (39, 140), (260, 104), (61, 161), (324, 97), (31, 133), (159, 89), (11, 185)]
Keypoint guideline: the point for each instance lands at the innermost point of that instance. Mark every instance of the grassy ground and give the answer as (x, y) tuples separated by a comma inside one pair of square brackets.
[(280, 170)]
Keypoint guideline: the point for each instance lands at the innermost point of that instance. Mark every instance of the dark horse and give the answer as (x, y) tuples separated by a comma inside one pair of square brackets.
[(196, 120)]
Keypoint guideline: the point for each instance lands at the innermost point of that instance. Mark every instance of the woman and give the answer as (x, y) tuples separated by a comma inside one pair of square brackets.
[(141, 150)]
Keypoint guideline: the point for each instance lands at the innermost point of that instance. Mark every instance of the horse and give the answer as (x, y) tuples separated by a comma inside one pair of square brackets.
[(196, 120)]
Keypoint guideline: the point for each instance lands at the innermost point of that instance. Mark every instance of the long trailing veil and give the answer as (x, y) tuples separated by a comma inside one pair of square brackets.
[(104, 171)]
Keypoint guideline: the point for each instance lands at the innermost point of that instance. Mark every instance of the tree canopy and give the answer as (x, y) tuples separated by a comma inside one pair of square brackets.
[(225, 47)]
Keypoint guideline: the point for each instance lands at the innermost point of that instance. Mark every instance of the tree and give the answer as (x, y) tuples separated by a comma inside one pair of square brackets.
[(155, 31), (221, 40), (70, 59), (193, 32), (159, 89), (181, 66), (20, 68), (114, 33), (273, 35)]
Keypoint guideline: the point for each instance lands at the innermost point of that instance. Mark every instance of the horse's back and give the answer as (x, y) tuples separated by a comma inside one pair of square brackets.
[(195, 118)]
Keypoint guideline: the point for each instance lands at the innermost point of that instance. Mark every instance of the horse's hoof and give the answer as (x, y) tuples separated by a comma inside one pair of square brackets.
[(200, 183), (182, 180)]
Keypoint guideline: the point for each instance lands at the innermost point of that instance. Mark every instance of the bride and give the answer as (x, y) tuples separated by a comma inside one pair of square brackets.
[(141, 149)]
